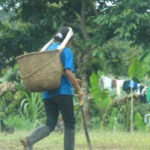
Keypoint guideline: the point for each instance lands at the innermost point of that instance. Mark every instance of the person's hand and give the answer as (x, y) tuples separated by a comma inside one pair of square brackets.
[(78, 80), (79, 92)]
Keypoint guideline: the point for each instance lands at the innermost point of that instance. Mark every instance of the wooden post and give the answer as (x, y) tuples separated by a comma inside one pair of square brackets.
[(132, 107)]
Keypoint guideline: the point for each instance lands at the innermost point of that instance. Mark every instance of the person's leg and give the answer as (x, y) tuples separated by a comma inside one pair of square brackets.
[(67, 111), (51, 110), (35, 136)]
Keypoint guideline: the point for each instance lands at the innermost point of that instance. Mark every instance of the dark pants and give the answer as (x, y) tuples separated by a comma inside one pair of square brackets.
[(64, 104)]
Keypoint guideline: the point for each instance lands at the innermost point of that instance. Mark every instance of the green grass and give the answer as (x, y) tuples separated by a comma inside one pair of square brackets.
[(101, 140)]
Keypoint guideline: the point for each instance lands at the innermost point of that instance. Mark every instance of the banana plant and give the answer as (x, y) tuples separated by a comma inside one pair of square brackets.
[(140, 66)]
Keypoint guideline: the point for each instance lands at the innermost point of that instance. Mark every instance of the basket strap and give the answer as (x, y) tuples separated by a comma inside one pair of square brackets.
[(23, 77)]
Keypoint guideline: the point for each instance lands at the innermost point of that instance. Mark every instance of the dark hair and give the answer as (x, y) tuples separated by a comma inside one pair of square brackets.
[(61, 34)]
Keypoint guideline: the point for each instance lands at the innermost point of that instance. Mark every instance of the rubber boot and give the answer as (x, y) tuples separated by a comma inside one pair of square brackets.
[(35, 136), (69, 137)]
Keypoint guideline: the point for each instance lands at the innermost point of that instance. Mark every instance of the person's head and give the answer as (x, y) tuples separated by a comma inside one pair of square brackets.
[(61, 35)]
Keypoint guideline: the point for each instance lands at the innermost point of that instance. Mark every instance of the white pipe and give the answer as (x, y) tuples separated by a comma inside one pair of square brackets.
[(47, 45)]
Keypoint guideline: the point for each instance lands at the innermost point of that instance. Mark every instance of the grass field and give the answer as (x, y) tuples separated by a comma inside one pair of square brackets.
[(101, 140)]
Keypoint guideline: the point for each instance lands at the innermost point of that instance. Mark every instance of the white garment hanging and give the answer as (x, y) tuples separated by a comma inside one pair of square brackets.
[(119, 84), (138, 90), (105, 83), (144, 90), (101, 83)]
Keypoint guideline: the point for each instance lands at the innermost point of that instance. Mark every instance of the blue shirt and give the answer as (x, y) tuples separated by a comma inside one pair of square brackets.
[(65, 87)]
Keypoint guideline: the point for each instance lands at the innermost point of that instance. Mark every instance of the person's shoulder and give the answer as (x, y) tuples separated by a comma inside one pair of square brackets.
[(67, 50), (52, 46)]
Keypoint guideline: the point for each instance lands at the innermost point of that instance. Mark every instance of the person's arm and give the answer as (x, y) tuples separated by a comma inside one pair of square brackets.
[(74, 82)]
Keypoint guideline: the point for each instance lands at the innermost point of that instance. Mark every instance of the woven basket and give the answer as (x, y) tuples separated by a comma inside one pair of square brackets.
[(40, 71)]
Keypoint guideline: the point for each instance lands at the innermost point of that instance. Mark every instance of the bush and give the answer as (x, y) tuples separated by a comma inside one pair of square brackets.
[(18, 122)]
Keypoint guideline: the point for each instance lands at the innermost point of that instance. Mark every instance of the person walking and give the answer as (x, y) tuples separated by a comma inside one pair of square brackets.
[(59, 100)]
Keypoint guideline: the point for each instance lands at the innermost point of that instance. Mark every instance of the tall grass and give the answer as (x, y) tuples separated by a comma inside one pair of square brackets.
[(32, 108)]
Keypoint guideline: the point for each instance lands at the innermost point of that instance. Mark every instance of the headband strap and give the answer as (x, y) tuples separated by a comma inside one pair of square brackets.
[(65, 41), (63, 44)]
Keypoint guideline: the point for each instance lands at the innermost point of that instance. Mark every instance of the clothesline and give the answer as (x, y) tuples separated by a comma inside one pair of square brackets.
[(126, 85)]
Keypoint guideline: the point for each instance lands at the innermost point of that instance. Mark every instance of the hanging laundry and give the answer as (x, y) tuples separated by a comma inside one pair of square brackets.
[(148, 94), (101, 83), (135, 86), (138, 89), (142, 95), (128, 84), (141, 88), (105, 83), (114, 83), (131, 84), (108, 83), (144, 90), (125, 86), (119, 84)]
